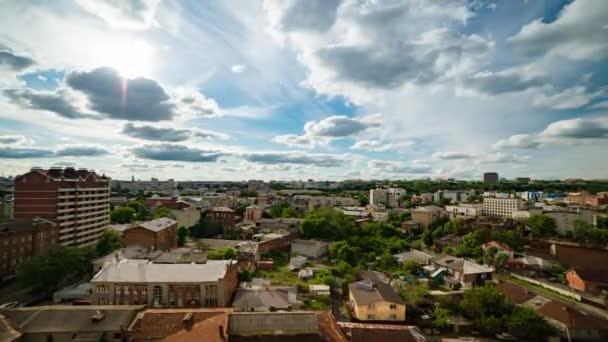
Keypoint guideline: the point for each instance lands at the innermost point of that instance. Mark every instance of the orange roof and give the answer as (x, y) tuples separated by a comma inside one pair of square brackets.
[(498, 245), (181, 325)]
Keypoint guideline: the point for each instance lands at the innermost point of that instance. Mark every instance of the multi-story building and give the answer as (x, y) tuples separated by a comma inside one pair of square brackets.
[(310, 203), (454, 196), (490, 178), (501, 207), (166, 285), (221, 216), (564, 218), (531, 195), (587, 199), (253, 213), (386, 198), (371, 299), (160, 234), (464, 210), (22, 239), (77, 200), (424, 216)]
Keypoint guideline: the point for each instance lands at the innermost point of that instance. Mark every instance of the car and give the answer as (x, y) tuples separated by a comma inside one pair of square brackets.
[(9, 305), (506, 337)]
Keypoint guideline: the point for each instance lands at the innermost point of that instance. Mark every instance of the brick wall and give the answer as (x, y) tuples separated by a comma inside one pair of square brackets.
[(281, 243), (140, 237)]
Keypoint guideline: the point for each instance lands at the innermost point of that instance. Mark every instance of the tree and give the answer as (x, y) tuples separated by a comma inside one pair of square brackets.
[(541, 225), (163, 212), (225, 253), (412, 294), (490, 255), (182, 234), (412, 267), (500, 261), (524, 322), (283, 210), (122, 215), (442, 317), (141, 210), (483, 301), (204, 228), (110, 240)]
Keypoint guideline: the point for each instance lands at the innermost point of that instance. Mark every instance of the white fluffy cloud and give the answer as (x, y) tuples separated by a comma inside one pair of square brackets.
[(126, 14)]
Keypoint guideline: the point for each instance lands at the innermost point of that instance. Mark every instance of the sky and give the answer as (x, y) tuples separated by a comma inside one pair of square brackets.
[(305, 89)]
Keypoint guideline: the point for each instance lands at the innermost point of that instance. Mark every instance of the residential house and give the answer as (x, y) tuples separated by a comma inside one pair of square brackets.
[(73, 323), (371, 299), (319, 290), (501, 247), (588, 280), (309, 248), (414, 255), (463, 271), (253, 213), (166, 285), (160, 234), (265, 298)]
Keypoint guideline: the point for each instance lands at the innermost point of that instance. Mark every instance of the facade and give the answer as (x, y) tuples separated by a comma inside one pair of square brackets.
[(22, 239), (77, 200), (501, 207), (386, 198), (374, 300), (454, 196), (564, 219), (466, 272), (318, 202), (253, 213), (422, 198), (309, 248), (587, 199), (166, 285), (222, 216), (159, 234), (490, 178), (424, 216), (464, 210), (588, 281)]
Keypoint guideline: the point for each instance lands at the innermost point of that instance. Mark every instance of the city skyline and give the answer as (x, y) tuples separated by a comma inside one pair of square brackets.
[(324, 90)]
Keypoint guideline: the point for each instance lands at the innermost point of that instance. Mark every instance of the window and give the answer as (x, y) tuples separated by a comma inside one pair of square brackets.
[(392, 316), (158, 295), (393, 307), (371, 306), (371, 316)]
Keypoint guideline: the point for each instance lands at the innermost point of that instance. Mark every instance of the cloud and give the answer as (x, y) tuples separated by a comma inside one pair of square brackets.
[(570, 98), (125, 14), (496, 83), (61, 102), (502, 158), (295, 140), (14, 140), (146, 132), (518, 141), (238, 68), (380, 146), (452, 155), (577, 129), (302, 15), (61, 151), (22, 153), (382, 166), (118, 98), (296, 157), (81, 151), (579, 33), (172, 152), (13, 61)]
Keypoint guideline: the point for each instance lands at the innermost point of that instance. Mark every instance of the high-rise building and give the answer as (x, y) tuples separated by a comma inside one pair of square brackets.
[(501, 207), (490, 178), (386, 198), (77, 200)]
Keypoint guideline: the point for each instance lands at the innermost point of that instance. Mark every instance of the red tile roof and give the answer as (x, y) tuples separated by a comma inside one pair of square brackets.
[(514, 293), (571, 317), (181, 325)]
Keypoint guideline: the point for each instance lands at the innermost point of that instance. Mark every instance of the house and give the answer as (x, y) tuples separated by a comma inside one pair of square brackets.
[(364, 332), (448, 241), (166, 285), (309, 248), (371, 299), (253, 213), (413, 255), (263, 299), (159, 234), (73, 323), (222, 216), (273, 326), (574, 324), (180, 325), (465, 272), (319, 290), (588, 281), (501, 247)]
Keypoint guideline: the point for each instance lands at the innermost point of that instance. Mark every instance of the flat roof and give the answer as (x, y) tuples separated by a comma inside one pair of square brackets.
[(125, 272)]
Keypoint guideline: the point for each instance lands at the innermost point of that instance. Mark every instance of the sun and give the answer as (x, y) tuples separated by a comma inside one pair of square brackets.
[(130, 58)]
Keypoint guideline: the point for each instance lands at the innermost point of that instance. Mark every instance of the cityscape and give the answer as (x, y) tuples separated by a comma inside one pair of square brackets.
[(303, 170)]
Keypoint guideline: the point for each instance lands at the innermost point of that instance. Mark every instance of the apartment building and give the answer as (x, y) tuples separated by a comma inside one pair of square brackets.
[(77, 200), (490, 178), (424, 216), (464, 210), (454, 196), (222, 216), (501, 207), (310, 203), (166, 285), (587, 199), (386, 198), (564, 217), (22, 239)]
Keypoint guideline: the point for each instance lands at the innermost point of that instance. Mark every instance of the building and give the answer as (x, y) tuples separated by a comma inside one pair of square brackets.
[(22, 239), (357, 213), (386, 198), (501, 207), (187, 217), (364, 332), (573, 324), (253, 213), (166, 285), (531, 195), (159, 234), (308, 203), (454, 196), (565, 218), (500, 247), (300, 326), (490, 178), (587, 199), (73, 323), (413, 255), (588, 281), (291, 224), (77, 200), (422, 198), (222, 216), (371, 299), (465, 272), (309, 248), (464, 210), (265, 299), (424, 216)]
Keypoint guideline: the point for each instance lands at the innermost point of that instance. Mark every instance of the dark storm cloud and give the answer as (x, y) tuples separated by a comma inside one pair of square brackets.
[(171, 152)]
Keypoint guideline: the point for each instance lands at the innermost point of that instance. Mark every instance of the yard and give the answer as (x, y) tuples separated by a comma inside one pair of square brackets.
[(280, 275)]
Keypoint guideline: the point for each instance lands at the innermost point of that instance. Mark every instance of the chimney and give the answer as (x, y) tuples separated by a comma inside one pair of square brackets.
[(222, 334)]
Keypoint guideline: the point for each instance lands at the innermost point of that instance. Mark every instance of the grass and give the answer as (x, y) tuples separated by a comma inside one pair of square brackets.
[(316, 303), (539, 289), (280, 275)]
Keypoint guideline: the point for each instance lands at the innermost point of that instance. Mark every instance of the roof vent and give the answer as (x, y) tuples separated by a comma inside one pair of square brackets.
[(98, 316)]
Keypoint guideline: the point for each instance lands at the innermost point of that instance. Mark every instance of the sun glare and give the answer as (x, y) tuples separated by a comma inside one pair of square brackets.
[(131, 59)]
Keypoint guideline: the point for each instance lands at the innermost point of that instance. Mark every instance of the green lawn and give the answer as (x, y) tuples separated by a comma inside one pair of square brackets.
[(280, 275)]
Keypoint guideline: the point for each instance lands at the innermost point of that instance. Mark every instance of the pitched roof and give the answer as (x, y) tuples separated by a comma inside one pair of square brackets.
[(68, 318), (498, 245), (372, 290), (595, 275), (180, 325), (125, 272), (158, 224), (362, 332), (413, 255), (571, 317), (514, 293), (273, 323), (459, 264), (277, 298)]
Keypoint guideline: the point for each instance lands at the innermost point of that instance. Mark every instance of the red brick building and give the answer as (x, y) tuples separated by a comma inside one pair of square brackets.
[(589, 281), (160, 234), (222, 216), (22, 239), (77, 200)]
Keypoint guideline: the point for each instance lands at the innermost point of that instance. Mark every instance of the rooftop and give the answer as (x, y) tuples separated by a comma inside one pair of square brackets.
[(277, 298), (15, 225), (125, 272), (221, 209), (363, 332), (595, 275), (462, 265), (571, 317), (182, 325), (514, 293), (372, 290), (158, 224), (413, 255), (315, 243), (273, 323)]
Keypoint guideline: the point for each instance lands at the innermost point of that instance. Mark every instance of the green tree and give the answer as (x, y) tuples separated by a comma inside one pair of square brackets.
[(163, 212), (413, 294), (109, 241), (122, 215), (483, 301), (182, 234), (225, 253), (141, 210), (541, 225), (204, 228), (524, 322), (442, 317), (490, 255), (282, 210)]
